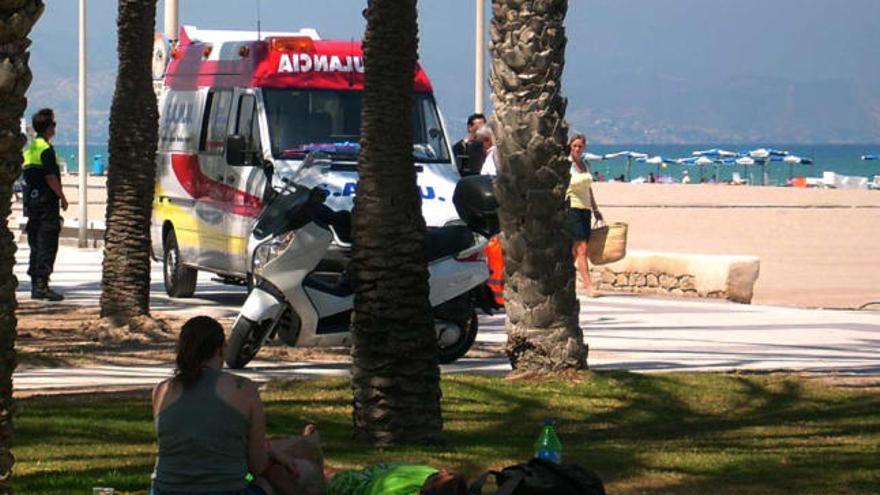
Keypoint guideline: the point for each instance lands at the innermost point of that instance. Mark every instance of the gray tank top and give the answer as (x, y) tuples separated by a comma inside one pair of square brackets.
[(203, 442)]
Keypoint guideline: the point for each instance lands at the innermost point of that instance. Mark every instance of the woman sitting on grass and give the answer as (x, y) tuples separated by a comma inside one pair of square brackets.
[(210, 424)]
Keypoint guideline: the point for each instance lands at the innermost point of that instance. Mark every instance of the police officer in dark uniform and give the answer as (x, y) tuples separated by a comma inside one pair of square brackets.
[(42, 197)]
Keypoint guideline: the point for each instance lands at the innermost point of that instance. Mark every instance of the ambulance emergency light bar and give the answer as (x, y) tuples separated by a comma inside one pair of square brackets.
[(214, 36), (291, 44)]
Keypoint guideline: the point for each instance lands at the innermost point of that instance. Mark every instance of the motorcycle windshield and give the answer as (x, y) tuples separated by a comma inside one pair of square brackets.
[(285, 212)]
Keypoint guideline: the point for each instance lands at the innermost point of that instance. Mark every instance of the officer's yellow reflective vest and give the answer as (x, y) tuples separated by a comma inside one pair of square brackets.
[(33, 153)]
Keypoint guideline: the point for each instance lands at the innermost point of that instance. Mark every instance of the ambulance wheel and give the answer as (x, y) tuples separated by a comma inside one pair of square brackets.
[(180, 280), (452, 352), (244, 342)]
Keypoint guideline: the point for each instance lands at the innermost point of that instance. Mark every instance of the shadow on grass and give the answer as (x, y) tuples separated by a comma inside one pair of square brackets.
[(651, 434)]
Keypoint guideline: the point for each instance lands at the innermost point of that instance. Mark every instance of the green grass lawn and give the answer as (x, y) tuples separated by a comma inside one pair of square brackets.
[(646, 434)]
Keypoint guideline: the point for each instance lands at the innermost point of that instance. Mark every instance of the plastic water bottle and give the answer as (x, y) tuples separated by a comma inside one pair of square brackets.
[(548, 446)]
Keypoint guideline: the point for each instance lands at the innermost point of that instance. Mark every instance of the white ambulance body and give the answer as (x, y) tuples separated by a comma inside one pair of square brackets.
[(287, 94)]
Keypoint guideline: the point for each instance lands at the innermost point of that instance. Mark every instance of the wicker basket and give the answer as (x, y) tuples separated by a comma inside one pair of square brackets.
[(607, 243)]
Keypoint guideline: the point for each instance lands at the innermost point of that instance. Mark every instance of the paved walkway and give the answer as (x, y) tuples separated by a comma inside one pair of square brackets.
[(634, 333)]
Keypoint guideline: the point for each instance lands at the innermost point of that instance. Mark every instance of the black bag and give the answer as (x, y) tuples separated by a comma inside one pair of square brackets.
[(541, 477)]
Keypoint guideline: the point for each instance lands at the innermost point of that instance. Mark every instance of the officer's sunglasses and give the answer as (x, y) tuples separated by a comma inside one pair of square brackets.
[(53, 124)]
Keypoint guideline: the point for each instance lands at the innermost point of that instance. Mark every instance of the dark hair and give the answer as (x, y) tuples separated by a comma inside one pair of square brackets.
[(434, 485), (43, 120), (474, 116), (199, 340)]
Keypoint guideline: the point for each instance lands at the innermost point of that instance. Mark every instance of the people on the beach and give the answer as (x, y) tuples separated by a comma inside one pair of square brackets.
[(468, 152), (581, 208), (651, 178), (210, 424), (396, 479), (43, 195), (685, 177)]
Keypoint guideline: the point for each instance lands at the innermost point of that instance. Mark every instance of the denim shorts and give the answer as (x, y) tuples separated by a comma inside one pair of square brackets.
[(250, 490)]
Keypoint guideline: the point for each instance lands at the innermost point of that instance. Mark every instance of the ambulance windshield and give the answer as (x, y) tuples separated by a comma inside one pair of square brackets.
[(301, 121)]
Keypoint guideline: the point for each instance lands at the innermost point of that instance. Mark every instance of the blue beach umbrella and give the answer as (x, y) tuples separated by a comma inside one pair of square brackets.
[(766, 153), (660, 161), (701, 162), (763, 156), (793, 160), (746, 162), (716, 153), (629, 156)]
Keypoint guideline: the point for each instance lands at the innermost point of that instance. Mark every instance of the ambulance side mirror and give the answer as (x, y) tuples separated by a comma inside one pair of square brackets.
[(235, 150)]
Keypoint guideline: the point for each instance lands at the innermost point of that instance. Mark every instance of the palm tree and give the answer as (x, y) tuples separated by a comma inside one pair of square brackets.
[(131, 173), (17, 17), (395, 371), (528, 56)]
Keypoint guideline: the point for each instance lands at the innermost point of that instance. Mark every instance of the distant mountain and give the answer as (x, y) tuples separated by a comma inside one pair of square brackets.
[(637, 108), (60, 94), (626, 107)]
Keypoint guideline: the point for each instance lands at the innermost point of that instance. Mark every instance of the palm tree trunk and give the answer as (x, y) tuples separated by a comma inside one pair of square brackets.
[(16, 20), (528, 52), (395, 371), (131, 173)]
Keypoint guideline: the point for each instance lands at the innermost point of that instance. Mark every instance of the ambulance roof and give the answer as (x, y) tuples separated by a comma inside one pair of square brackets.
[(196, 35), (294, 60)]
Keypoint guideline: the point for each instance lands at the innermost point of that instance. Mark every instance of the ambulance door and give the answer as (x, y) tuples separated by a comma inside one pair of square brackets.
[(213, 203), (437, 173), (247, 183)]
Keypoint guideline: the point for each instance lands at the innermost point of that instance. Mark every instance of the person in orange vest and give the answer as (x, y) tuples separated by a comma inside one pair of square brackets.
[(43, 196)]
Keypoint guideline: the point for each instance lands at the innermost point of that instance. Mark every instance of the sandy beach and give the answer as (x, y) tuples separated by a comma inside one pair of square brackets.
[(818, 247)]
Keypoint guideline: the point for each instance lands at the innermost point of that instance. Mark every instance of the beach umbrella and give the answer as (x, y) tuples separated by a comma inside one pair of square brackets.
[(590, 157), (629, 156), (746, 162), (716, 153), (793, 160), (871, 157), (764, 155), (659, 161), (702, 161)]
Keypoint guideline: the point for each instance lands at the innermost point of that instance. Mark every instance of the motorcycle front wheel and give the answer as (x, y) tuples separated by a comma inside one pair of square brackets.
[(244, 342)]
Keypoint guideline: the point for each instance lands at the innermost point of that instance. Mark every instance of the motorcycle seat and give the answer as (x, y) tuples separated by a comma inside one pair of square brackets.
[(447, 241)]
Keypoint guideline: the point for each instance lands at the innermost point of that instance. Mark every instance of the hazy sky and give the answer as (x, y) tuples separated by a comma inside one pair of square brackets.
[(689, 50)]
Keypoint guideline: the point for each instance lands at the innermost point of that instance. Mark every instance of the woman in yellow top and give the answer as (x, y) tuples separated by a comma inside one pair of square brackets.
[(581, 207)]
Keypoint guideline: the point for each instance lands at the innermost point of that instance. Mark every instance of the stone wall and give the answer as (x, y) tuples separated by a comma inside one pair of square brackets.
[(681, 275), (672, 284)]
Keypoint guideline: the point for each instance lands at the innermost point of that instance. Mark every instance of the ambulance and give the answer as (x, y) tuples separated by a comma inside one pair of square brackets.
[(284, 95)]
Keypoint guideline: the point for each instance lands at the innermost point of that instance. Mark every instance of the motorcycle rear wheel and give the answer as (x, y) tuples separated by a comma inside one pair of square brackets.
[(451, 353)]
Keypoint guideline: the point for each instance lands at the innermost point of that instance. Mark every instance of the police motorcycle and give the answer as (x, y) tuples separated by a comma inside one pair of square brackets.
[(303, 298)]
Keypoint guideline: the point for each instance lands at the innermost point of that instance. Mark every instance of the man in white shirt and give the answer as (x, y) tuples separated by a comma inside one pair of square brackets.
[(485, 136)]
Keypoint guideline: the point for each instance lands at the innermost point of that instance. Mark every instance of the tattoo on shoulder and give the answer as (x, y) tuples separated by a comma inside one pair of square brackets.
[(240, 382)]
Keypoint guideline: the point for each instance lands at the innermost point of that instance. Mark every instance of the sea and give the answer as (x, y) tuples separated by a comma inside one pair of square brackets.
[(841, 159)]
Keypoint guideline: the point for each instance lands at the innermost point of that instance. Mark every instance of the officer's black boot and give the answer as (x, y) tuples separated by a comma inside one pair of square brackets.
[(40, 290)]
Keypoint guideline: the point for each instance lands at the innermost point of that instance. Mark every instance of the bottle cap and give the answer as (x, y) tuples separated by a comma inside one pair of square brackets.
[(548, 422)]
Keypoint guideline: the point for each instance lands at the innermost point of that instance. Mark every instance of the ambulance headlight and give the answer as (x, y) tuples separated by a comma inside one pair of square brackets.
[(269, 250)]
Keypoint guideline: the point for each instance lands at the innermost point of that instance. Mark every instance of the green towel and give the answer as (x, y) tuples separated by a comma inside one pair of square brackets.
[(381, 479)]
